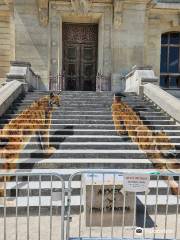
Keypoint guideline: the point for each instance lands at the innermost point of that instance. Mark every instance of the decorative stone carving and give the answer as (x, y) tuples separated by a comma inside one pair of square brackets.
[(43, 16), (80, 33), (151, 4), (81, 7), (43, 8), (118, 13)]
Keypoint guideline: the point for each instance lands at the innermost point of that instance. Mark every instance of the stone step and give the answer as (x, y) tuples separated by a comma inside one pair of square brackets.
[(93, 113), (85, 93), (76, 97), (89, 153), (85, 108), (67, 172), (86, 119), (73, 105), (161, 203), (141, 113), (103, 123), (26, 101), (33, 204), (103, 129), (79, 163), (82, 145), (89, 102), (86, 138), (98, 136), (134, 105), (45, 202), (66, 144), (106, 130), (47, 187), (108, 127), (34, 188), (96, 127)]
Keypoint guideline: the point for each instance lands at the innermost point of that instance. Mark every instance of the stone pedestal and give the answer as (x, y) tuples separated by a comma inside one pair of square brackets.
[(107, 207), (22, 72)]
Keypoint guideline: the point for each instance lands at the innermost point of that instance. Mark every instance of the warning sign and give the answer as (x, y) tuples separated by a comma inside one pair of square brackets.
[(136, 183)]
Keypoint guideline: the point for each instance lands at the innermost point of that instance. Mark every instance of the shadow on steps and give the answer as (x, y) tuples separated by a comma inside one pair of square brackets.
[(56, 143)]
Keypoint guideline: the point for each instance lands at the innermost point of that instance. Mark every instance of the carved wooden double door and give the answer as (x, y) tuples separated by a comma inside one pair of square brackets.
[(80, 56)]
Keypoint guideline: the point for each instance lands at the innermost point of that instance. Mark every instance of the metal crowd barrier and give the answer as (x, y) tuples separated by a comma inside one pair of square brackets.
[(114, 205), (32, 206), (93, 205)]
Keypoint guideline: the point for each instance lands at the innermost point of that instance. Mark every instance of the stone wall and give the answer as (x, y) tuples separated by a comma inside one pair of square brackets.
[(6, 38), (31, 38), (135, 41), (159, 22), (128, 40)]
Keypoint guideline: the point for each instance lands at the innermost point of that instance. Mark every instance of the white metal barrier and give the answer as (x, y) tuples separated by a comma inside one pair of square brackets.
[(99, 205), (120, 206), (32, 206)]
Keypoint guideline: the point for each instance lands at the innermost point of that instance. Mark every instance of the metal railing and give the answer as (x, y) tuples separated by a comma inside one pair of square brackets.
[(99, 204), (31, 206), (99, 81), (57, 82), (108, 210)]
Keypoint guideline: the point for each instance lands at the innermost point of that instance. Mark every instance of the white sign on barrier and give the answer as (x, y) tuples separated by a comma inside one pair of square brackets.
[(136, 183)]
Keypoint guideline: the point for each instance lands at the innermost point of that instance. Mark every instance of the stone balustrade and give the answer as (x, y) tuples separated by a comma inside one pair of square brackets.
[(9, 93), (139, 76), (23, 72), (164, 100)]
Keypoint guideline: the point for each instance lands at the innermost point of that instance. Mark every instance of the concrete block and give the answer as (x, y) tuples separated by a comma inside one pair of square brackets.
[(109, 197)]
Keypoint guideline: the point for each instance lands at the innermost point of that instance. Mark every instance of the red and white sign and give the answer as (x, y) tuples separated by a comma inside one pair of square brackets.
[(136, 183)]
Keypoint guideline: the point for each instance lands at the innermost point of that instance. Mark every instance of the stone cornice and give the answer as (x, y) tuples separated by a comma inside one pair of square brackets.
[(174, 6), (83, 7)]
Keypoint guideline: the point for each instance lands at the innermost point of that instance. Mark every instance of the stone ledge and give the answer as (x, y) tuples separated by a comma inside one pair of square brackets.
[(20, 63), (164, 100), (8, 94), (135, 68)]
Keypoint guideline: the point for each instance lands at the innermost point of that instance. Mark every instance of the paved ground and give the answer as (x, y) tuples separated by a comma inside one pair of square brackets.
[(96, 232)]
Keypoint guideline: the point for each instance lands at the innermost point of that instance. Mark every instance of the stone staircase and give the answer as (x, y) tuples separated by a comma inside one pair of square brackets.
[(83, 133)]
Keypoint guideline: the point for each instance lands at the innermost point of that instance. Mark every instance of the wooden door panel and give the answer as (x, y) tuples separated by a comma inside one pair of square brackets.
[(72, 53), (80, 56), (71, 66), (88, 67), (88, 53)]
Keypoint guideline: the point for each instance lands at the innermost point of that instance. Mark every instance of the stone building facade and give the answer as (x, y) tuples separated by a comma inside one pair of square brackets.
[(106, 37)]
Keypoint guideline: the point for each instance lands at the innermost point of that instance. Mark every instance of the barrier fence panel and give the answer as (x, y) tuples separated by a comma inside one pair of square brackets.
[(31, 206), (116, 205)]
